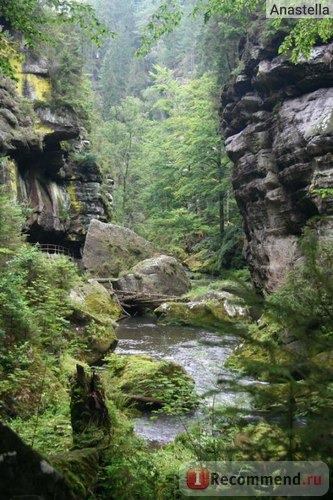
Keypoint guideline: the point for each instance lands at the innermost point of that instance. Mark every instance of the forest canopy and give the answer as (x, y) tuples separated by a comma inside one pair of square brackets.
[(301, 35)]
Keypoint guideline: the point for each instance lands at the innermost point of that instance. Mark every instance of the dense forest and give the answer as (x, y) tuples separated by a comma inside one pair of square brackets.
[(165, 171)]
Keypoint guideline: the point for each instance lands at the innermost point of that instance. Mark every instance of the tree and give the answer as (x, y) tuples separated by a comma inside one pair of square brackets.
[(291, 350), (119, 141), (186, 187), (301, 37), (31, 18)]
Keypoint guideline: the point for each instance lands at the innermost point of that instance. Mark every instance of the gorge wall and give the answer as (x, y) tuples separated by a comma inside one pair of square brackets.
[(45, 159), (277, 118)]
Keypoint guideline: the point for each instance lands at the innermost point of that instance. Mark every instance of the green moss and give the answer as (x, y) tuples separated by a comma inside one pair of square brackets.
[(324, 359), (102, 306), (75, 204), (94, 312), (16, 62), (201, 262), (264, 350), (80, 470), (42, 129), (209, 314), (8, 166), (139, 375)]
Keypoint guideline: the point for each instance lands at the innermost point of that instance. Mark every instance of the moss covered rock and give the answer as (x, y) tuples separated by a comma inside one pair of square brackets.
[(265, 354), (150, 383), (212, 310), (79, 469), (93, 320), (324, 360), (202, 261)]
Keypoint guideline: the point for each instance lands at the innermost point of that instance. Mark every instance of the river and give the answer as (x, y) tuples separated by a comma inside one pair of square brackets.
[(201, 352)]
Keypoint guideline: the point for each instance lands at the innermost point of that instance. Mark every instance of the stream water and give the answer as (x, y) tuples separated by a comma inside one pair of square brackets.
[(201, 352)]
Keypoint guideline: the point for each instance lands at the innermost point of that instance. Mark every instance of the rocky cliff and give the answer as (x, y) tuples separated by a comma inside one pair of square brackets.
[(45, 159), (277, 118)]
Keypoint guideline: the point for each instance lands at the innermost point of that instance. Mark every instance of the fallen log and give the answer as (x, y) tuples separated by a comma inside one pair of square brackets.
[(145, 402)]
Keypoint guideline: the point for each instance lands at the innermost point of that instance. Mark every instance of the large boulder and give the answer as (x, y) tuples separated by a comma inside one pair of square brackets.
[(110, 249), (162, 275)]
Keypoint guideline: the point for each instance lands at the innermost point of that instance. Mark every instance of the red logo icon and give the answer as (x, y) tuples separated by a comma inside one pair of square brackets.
[(197, 478)]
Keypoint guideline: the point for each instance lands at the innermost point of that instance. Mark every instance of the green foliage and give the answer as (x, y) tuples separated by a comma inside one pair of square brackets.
[(33, 19), (162, 380), (302, 37), (323, 193), (11, 222), (172, 178), (164, 20), (53, 432), (285, 349)]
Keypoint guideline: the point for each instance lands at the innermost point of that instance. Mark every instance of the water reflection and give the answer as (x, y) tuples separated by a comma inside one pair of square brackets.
[(202, 353)]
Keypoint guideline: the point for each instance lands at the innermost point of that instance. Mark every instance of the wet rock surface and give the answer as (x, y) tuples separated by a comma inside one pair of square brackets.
[(278, 121)]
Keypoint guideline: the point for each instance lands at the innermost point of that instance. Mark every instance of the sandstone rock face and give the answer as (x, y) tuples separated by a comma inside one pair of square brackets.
[(278, 121), (162, 275), (110, 249), (59, 182)]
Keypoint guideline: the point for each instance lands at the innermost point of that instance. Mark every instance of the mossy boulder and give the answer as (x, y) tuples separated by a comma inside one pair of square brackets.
[(93, 320), (212, 310), (149, 383), (95, 300), (161, 275), (202, 262), (324, 360)]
